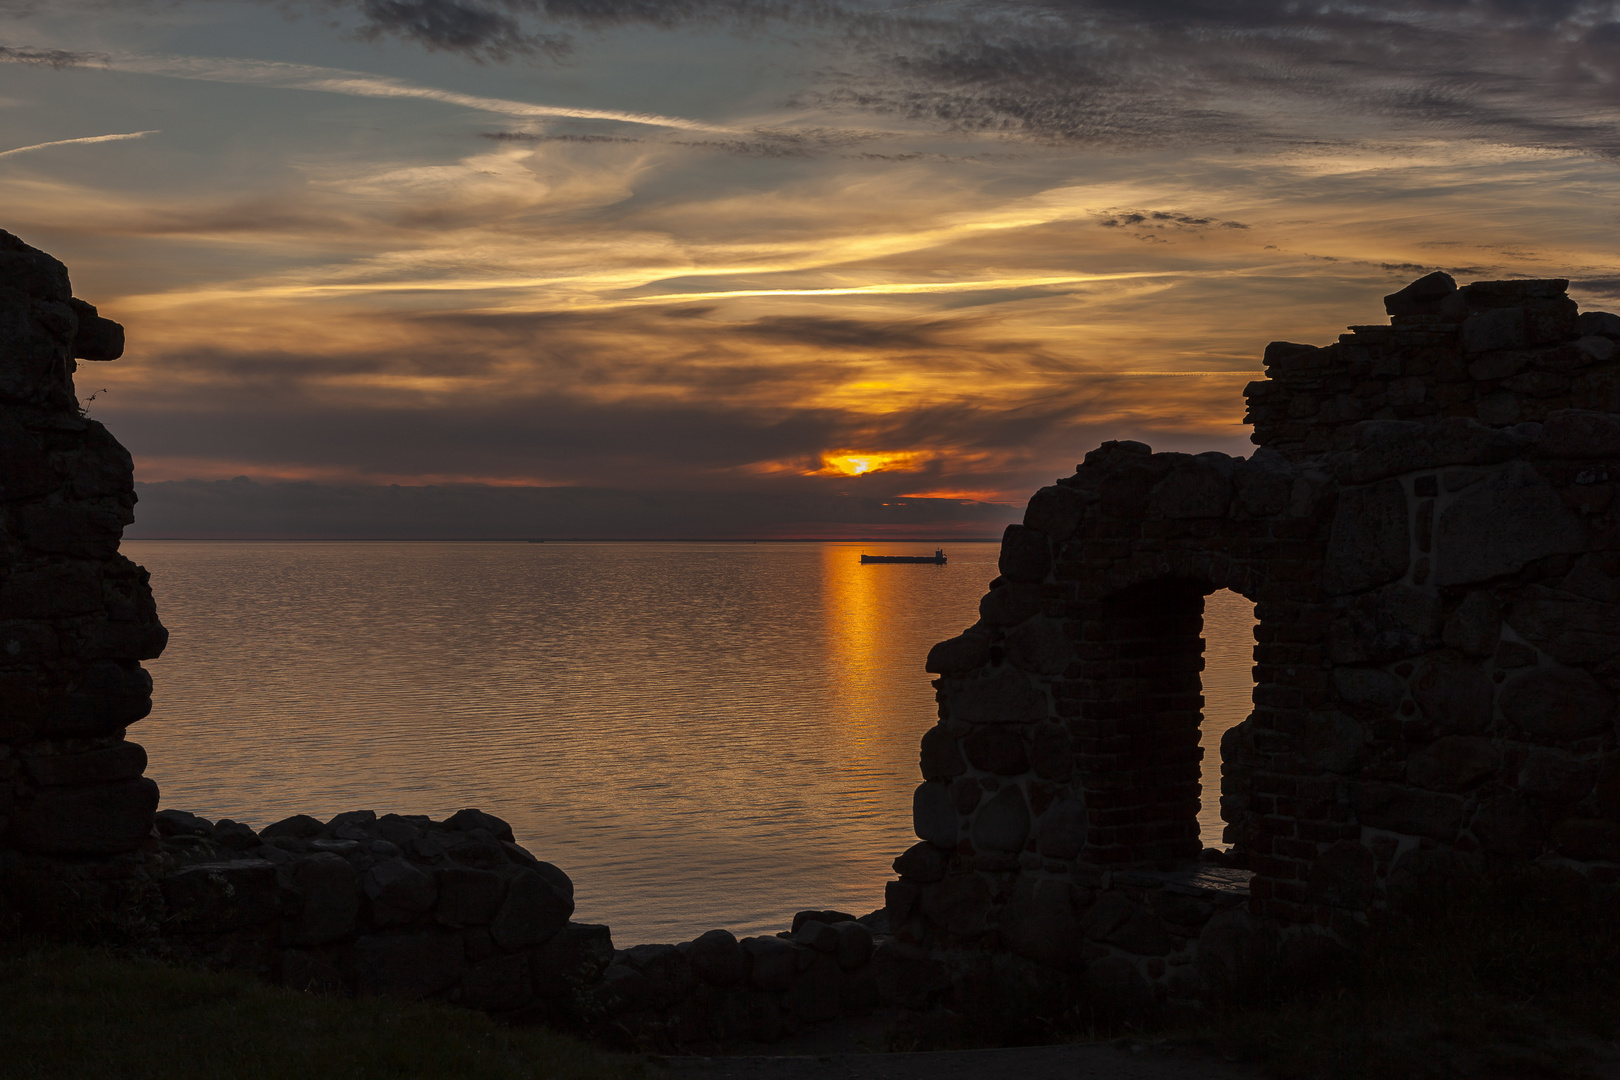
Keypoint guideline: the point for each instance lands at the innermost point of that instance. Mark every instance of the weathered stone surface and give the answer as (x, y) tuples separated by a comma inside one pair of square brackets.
[(399, 892), (999, 696), (1453, 763), (1503, 328), (996, 750), (1196, 489), (1496, 527), (921, 863), (1578, 433), (1056, 510), (960, 904), (965, 652), (1573, 629), (1423, 296), (816, 935), (1331, 741), (571, 961), (1026, 554), (329, 895), (1010, 603), (1588, 838), (534, 909), (1391, 447), (933, 814), (855, 944), (1042, 924), (1344, 876), (1051, 752), (1557, 703), (121, 761), (1370, 540), (1116, 920), (407, 965), (1369, 686), (772, 962), (1392, 623), (1454, 693), (97, 819), (941, 754), (1505, 824), (717, 959), (467, 896), (1408, 810), (219, 897), (907, 977), (1475, 626), (1040, 646), (1002, 824), (816, 992), (1557, 776), (1062, 831)]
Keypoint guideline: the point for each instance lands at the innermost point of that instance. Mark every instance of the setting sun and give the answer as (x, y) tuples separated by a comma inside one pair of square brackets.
[(854, 463)]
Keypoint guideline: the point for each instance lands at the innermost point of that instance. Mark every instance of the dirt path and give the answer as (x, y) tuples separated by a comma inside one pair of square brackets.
[(1088, 1061)]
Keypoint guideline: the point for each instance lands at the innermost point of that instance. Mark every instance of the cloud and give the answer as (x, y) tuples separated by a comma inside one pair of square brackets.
[(76, 142), (240, 508), (54, 58), (478, 31)]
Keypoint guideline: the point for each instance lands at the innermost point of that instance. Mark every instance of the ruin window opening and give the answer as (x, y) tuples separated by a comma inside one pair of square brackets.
[(1153, 744)]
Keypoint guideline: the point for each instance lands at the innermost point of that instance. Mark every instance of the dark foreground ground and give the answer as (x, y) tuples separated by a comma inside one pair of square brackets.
[(1518, 980)]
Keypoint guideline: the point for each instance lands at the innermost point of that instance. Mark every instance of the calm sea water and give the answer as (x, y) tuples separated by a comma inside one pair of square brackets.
[(702, 735)]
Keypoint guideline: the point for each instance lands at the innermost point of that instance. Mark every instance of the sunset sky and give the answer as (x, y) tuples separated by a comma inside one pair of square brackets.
[(775, 268)]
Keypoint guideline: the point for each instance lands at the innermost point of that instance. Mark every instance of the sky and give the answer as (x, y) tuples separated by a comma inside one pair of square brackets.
[(758, 268)]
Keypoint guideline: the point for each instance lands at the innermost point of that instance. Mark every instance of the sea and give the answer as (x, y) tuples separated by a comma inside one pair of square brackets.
[(701, 734)]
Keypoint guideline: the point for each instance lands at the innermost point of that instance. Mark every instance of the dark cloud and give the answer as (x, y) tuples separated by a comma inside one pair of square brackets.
[(55, 58), (1252, 72), (833, 333), (1606, 287), (243, 508)]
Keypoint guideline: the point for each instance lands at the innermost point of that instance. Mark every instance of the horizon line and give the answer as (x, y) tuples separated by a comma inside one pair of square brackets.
[(576, 539)]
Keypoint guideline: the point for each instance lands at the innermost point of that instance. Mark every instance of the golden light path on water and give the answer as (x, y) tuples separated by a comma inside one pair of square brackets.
[(700, 734)]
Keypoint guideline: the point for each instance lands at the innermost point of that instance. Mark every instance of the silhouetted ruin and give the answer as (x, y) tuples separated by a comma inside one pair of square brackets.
[(1427, 533)]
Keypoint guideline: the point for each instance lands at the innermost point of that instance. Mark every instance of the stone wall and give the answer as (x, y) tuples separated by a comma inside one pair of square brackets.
[(76, 618), (1428, 533)]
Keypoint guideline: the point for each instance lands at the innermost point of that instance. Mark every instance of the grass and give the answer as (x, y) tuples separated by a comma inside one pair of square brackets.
[(68, 1012)]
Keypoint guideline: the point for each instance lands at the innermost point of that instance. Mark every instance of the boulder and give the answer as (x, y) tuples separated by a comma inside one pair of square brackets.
[(996, 750), (1454, 693), (717, 959), (1056, 510), (95, 819), (1344, 876), (534, 909), (329, 893), (1003, 823), (1402, 809), (933, 814), (1040, 646), (959, 904), (1557, 703), (1569, 627), (1453, 763), (1494, 528), (1026, 554), (1370, 540), (1003, 695), (399, 892), (407, 965)]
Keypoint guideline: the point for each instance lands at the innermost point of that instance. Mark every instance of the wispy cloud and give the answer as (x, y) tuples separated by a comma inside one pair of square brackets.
[(79, 142)]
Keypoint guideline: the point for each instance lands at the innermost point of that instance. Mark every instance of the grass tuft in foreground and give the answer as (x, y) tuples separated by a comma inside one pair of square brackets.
[(73, 1012)]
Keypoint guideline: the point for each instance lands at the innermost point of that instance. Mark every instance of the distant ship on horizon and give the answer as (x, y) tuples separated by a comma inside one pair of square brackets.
[(937, 558)]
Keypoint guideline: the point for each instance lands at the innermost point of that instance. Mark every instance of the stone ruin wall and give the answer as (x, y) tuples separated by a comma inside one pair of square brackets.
[(1429, 536), (1426, 531)]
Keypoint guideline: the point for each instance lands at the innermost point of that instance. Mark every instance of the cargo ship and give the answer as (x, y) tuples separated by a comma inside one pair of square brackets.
[(937, 558)]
